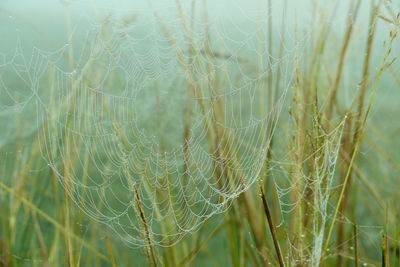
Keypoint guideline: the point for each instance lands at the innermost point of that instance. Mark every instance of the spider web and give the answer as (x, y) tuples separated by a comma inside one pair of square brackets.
[(155, 122)]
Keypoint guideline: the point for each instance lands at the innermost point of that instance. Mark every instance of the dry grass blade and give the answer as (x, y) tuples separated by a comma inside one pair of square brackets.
[(355, 245), (51, 220), (110, 252), (387, 258), (272, 228)]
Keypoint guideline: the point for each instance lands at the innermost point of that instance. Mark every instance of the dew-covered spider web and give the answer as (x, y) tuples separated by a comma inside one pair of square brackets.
[(318, 183), (155, 122), (155, 117)]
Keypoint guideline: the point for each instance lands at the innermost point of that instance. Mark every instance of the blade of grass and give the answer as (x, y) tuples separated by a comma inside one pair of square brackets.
[(272, 228), (51, 220), (355, 245), (387, 235), (110, 252)]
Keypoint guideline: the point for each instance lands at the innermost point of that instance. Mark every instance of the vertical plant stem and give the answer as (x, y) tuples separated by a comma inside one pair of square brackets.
[(387, 235), (272, 228), (110, 252), (355, 245), (146, 227), (350, 22), (383, 253), (396, 245)]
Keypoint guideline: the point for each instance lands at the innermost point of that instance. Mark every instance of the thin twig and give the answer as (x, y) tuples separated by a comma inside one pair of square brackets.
[(272, 227)]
